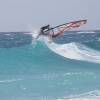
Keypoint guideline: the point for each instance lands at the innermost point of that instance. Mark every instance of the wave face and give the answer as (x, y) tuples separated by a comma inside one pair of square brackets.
[(65, 68)]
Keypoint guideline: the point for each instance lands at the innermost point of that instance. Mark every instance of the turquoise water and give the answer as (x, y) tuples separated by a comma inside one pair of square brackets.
[(35, 70)]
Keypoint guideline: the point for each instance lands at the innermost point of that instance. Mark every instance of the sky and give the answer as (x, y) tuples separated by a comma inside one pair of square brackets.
[(29, 15)]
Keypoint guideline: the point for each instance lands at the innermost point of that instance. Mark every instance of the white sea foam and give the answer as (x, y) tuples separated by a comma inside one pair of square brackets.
[(74, 51), (7, 34), (92, 95), (35, 34), (86, 32), (10, 80)]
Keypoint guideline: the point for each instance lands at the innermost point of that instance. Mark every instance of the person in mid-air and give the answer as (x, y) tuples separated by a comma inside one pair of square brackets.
[(45, 30)]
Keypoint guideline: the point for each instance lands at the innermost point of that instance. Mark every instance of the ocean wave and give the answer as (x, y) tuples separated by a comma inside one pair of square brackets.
[(74, 50)]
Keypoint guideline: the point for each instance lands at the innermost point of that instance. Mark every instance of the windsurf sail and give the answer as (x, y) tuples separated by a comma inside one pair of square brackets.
[(55, 31)]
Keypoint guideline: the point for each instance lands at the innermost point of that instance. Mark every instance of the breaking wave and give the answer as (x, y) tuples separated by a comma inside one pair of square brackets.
[(73, 50)]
